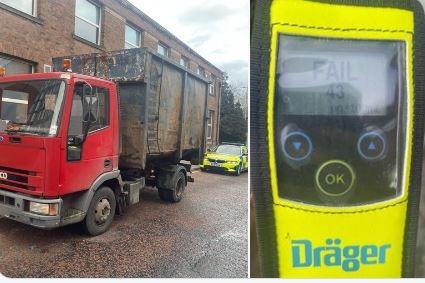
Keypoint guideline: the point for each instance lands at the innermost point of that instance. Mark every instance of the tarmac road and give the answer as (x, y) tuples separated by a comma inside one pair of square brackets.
[(205, 235)]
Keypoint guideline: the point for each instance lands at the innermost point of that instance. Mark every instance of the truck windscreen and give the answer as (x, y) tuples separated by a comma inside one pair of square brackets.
[(31, 107)]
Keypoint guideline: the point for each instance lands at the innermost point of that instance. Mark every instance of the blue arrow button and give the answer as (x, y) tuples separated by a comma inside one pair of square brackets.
[(371, 146), (297, 145)]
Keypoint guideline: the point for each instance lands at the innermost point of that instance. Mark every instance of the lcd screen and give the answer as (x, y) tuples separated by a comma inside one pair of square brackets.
[(317, 76)]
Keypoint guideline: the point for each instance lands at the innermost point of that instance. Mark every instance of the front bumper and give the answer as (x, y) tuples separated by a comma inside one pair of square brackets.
[(225, 166), (15, 206)]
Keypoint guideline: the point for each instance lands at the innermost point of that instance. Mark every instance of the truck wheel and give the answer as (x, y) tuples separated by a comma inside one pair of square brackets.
[(174, 195), (101, 212)]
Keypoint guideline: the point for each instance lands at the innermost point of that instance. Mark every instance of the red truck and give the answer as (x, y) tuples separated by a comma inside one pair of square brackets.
[(78, 146)]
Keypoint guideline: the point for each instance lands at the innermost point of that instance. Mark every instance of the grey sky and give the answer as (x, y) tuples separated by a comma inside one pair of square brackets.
[(218, 30)]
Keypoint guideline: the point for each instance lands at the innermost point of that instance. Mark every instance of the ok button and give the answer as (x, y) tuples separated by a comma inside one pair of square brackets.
[(335, 178)]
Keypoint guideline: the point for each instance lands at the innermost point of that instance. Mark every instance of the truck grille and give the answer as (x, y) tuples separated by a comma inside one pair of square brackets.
[(17, 179)]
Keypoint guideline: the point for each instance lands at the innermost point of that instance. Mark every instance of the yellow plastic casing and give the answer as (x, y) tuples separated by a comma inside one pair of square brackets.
[(371, 224)]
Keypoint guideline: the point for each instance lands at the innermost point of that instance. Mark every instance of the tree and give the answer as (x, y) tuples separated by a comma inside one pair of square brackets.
[(233, 125)]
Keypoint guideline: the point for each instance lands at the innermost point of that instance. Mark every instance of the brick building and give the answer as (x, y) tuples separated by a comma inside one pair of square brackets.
[(32, 32)]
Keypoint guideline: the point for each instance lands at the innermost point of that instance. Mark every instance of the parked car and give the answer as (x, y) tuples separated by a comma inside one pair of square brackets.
[(226, 157)]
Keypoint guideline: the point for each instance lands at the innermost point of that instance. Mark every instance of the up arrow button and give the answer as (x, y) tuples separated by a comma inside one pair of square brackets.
[(372, 145)]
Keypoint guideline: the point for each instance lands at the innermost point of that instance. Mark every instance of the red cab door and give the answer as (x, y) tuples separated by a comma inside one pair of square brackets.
[(86, 158)]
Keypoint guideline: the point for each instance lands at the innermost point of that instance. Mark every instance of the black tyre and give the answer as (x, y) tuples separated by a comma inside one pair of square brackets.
[(101, 212), (238, 170), (175, 195)]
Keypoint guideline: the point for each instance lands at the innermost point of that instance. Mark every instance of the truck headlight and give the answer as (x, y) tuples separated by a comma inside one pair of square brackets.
[(44, 208)]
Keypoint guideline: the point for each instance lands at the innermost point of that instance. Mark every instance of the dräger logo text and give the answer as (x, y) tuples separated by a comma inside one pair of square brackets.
[(334, 254)]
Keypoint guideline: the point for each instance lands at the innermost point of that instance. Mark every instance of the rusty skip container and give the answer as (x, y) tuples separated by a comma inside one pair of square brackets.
[(162, 106)]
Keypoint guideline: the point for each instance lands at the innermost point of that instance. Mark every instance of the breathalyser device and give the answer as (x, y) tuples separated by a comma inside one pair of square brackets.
[(337, 103)]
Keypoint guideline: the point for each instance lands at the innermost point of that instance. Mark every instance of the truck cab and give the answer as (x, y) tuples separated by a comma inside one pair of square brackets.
[(58, 134)]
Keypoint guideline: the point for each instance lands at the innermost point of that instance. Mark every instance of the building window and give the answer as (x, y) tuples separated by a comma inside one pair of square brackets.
[(210, 123), (184, 62), (212, 85), (163, 50), (26, 6), (87, 21), (132, 37), (200, 71), (14, 66), (47, 68)]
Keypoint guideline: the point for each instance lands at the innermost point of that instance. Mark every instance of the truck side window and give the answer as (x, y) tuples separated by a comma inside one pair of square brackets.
[(99, 115), (76, 121), (75, 128), (99, 109)]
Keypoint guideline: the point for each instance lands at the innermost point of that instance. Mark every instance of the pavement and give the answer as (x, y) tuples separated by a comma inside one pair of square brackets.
[(205, 235)]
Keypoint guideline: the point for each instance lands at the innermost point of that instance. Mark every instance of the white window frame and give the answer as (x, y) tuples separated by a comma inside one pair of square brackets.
[(49, 67), (34, 8), (98, 26), (210, 124), (212, 87), (184, 60), (166, 48), (140, 36)]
